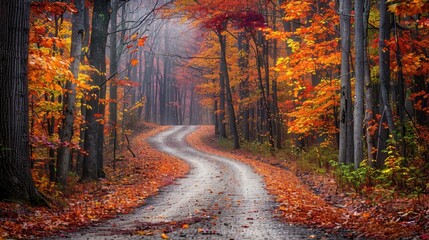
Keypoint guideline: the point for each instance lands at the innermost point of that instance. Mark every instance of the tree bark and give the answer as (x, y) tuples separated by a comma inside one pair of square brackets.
[(221, 112), (243, 63), (230, 106), (64, 152), (97, 58), (359, 84), (384, 62), (346, 114), (16, 183), (113, 105), (369, 108)]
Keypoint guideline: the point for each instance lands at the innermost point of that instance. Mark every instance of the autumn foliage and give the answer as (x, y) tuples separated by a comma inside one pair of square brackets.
[(300, 205), (126, 188)]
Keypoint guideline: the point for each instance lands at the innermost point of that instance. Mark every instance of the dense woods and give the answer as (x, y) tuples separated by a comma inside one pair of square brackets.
[(342, 85)]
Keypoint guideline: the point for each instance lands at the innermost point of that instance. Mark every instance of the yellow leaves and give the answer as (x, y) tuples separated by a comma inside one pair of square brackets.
[(164, 236), (144, 233), (294, 45)]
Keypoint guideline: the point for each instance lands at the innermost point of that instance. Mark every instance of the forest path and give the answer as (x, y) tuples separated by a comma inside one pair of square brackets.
[(219, 199)]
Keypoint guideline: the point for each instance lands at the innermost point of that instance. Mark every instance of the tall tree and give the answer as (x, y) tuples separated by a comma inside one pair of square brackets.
[(346, 114), (369, 112), (359, 83), (64, 151), (230, 106), (16, 183), (92, 163), (384, 62), (113, 104)]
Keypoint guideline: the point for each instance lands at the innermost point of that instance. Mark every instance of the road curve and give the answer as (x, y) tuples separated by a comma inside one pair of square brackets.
[(220, 198)]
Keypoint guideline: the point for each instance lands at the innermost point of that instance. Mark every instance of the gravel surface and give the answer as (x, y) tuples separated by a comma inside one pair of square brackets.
[(220, 198)]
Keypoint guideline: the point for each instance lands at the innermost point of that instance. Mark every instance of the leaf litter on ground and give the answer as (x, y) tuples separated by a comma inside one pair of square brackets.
[(85, 203), (334, 212)]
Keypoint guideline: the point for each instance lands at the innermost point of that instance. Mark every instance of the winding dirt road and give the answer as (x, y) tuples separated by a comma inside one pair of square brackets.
[(219, 199)]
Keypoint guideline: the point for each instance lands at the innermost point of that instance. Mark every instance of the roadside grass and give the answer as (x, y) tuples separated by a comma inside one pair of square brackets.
[(309, 195)]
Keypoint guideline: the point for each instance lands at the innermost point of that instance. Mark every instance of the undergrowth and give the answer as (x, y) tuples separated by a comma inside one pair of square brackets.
[(397, 177)]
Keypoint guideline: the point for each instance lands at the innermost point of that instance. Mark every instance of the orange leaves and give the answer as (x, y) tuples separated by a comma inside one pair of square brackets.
[(316, 112), (408, 7), (298, 204), (125, 83), (141, 41), (55, 8), (164, 236), (134, 62), (296, 9), (91, 201)]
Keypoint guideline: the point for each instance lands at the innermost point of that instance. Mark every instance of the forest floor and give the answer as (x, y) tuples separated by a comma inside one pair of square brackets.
[(220, 198), (314, 200), (304, 198), (84, 204)]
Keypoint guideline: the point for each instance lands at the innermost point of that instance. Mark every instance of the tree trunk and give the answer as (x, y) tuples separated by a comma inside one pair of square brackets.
[(97, 58), (275, 105), (243, 62), (113, 105), (149, 57), (264, 103), (64, 152), (221, 112), (85, 44), (369, 111), (230, 106), (400, 100), (359, 84), (346, 114), (384, 62), (16, 183)]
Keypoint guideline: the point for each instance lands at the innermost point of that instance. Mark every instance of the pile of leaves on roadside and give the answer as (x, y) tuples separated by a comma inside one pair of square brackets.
[(333, 210), (123, 190)]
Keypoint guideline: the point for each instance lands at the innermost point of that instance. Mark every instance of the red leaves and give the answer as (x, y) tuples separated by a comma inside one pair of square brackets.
[(377, 219), (55, 8), (141, 41), (126, 83), (123, 190), (248, 20)]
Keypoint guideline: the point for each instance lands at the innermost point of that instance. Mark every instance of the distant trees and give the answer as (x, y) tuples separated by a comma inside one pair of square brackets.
[(294, 74), (302, 80)]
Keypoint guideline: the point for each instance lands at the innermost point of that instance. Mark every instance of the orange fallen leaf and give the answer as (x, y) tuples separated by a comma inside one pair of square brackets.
[(164, 236), (134, 62)]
